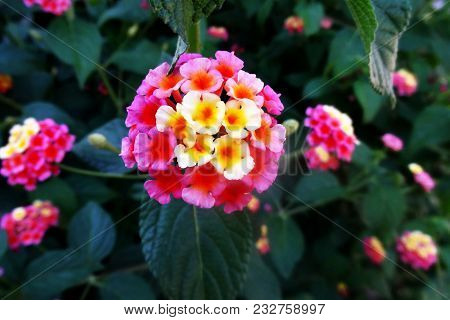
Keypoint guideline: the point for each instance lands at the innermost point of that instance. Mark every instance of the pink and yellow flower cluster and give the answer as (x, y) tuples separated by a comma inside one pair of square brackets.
[(422, 177), (417, 249), (374, 250), (294, 24), (57, 7), (33, 150), (405, 82), (205, 132), (26, 226), (331, 137)]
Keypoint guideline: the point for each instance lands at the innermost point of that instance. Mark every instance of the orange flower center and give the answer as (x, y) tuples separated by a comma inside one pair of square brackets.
[(242, 91), (169, 81), (202, 80), (225, 70)]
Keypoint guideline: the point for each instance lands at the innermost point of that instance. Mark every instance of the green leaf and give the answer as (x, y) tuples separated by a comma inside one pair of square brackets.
[(92, 232), (196, 253), (125, 286), (363, 155), (346, 52), (3, 242), (261, 283), (364, 16), (180, 15), (318, 188), (90, 189), (430, 127), (104, 160), (181, 48), (143, 56), (42, 110), (24, 61), (77, 43), (368, 98), (316, 88), (126, 10), (59, 192), (54, 272), (393, 18), (383, 206), (286, 244), (312, 14)]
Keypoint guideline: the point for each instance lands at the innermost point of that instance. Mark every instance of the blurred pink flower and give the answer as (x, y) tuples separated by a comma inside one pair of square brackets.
[(294, 24), (392, 142), (331, 137), (405, 82), (326, 23), (33, 151), (218, 33), (422, 177), (417, 249), (374, 250), (26, 226)]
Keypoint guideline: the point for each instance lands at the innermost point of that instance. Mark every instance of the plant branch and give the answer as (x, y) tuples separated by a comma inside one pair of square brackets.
[(11, 103), (112, 94), (98, 174), (193, 37)]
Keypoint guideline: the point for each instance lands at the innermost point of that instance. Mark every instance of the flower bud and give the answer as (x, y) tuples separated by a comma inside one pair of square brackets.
[(97, 140), (291, 126), (133, 30), (35, 34)]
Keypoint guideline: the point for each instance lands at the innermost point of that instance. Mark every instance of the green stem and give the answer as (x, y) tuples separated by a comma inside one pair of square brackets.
[(112, 94), (85, 291), (295, 211), (98, 174), (193, 37), (11, 103)]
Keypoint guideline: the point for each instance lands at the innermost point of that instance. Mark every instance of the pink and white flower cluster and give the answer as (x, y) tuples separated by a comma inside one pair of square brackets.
[(27, 226), (405, 82), (205, 132), (33, 150), (57, 7), (422, 177), (417, 249), (331, 137)]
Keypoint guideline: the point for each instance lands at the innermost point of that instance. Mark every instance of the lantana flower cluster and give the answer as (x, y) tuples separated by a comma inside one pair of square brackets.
[(57, 7), (263, 244), (331, 137), (417, 249), (26, 226), (294, 24), (33, 150), (374, 250), (422, 177), (6, 83), (405, 82), (205, 132)]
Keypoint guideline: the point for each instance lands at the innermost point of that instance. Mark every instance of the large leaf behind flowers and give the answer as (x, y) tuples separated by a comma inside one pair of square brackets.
[(195, 253), (380, 24), (181, 14)]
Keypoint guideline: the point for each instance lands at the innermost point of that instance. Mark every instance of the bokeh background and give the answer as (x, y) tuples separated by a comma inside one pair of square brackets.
[(82, 69)]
